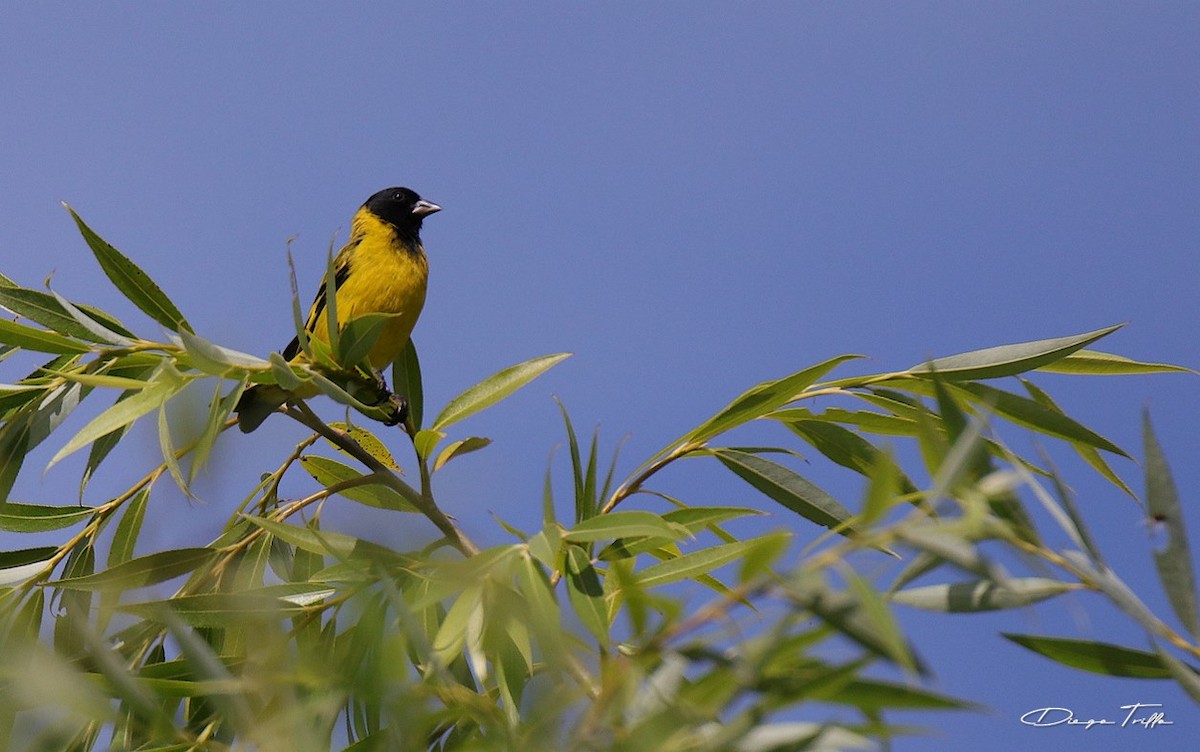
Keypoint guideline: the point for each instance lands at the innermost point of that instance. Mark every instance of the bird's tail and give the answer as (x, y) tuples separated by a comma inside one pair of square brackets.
[(257, 403)]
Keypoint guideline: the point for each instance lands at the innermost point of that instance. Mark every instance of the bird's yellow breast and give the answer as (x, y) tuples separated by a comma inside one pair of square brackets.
[(385, 275)]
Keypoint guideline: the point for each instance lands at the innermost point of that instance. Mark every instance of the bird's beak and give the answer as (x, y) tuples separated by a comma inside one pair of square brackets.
[(424, 208)]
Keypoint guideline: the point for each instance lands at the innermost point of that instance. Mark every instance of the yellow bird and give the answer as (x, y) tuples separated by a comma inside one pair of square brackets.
[(382, 269)]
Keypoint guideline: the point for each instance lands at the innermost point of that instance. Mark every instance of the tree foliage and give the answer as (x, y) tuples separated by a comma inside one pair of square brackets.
[(286, 633)]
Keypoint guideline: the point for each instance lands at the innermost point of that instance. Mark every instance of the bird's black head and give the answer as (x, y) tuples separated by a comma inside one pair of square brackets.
[(402, 208)]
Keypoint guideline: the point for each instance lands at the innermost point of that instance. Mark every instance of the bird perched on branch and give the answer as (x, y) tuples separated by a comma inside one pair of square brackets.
[(382, 269)]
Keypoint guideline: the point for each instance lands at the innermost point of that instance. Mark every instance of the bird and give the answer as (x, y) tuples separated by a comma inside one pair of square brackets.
[(381, 269)]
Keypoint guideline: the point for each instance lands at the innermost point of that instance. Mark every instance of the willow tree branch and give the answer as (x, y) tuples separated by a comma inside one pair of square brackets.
[(301, 413)]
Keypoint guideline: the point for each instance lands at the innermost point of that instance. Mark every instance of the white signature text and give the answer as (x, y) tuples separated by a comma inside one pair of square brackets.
[(1138, 715)]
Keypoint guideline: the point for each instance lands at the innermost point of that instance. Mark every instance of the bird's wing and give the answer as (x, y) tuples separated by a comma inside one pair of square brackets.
[(341, 270)]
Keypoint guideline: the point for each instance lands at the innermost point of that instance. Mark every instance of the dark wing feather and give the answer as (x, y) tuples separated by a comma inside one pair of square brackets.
[(341, 270)]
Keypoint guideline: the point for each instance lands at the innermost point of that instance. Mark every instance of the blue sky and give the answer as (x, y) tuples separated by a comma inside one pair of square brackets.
[(691, 198)]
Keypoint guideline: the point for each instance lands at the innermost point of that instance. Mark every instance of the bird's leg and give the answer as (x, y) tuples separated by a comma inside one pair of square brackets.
[(380, 383), (398, 410), (397, 406)]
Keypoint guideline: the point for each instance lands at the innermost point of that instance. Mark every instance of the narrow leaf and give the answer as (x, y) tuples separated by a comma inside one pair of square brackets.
[(329, 472), (123, 413), (459, 448), (95, 329), (1096, 657), (623, 525), (219, 410), (44, 308), (1174, 561), (873, 695), (133, 283), (1093, 363), (587, 593), (140, 572), (495, 388), (14, 444), (285, 377), (38, 340), (37, 518), (1034, 415), (124, 540), (786, 487), (1087, 452), (359, 335), (406, 381), (18, 566), (760, 400), (338, 545), (696, 563), (982, 595), (246, 608), (369, 442), (1008, 360)]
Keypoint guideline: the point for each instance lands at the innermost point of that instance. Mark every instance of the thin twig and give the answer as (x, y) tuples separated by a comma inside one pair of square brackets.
[(424, 503)]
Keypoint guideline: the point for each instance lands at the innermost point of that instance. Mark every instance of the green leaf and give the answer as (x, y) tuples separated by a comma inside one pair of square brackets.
[(873, 695), (101, 448), (329, 472), (585, 506), (875, 612), (101, 380), (758, 401), (982, 595), (214, 359), (587, 593), (94, 328), (359, 335), (883, 489), (124, 540), (406, 381), (141, 572), (844, 447), (865, 420), (696, 563), (133, 283), (849, 616), (14, 444), (1174, 561), (36, 518), (426, 441), (452, 634), (369, 443), (285, 377), (18, 566), (166, 445), (786, 487), (338, 545), (297, 312), (459, 448), (240, 609), (1031, 414), (219, 410), (167, 383), (1008, 360), (1096, 657), (1090, 362), (495, 388), (52, 411), (44, 308), (1088, 453), (38, 340), (624, 525)]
